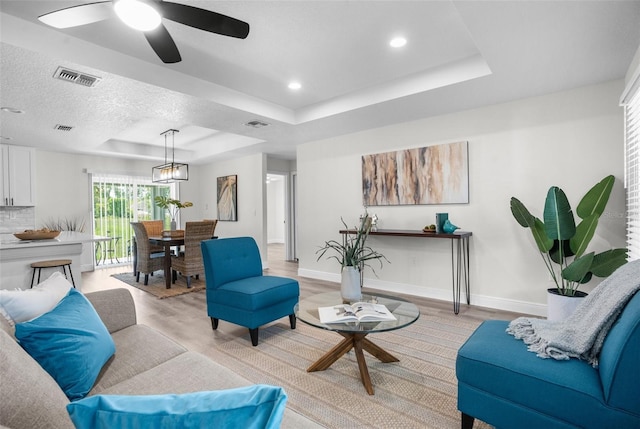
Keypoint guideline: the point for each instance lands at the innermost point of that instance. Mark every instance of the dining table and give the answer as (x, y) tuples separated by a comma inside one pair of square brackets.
[(167, 243)]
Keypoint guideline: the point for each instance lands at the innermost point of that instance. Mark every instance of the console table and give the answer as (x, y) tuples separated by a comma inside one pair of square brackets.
[(459, 255)]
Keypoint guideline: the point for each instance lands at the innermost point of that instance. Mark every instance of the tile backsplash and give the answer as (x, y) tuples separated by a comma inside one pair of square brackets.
[(15, 219)]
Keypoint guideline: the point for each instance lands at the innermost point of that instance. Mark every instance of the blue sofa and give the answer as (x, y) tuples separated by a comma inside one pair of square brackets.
[(503, 384)]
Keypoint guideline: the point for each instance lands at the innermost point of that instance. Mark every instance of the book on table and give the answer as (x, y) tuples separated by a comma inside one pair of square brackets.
[(356, 312)]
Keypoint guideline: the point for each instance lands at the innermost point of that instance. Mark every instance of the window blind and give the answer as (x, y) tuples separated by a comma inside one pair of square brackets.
[(632, 174), (118, 200)]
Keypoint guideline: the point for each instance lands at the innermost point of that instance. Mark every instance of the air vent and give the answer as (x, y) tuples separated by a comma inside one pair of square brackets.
[(256, 124), (63, 127), (76, 77)]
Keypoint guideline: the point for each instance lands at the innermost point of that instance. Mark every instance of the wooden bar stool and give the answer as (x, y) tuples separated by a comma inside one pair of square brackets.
[(52, 264)]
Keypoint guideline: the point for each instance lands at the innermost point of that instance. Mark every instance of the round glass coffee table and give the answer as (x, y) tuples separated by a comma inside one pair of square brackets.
[(354, 333)]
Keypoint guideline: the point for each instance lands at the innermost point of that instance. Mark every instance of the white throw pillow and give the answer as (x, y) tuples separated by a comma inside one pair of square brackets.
[(21, 305)]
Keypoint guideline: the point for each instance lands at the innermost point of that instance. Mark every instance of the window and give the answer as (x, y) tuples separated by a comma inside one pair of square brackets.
[(632, 173), (119, 200)]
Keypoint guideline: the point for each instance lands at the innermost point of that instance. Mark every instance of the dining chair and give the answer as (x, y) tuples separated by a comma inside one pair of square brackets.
[(154, 228), (189, 262), (148, 260), (215, 223)]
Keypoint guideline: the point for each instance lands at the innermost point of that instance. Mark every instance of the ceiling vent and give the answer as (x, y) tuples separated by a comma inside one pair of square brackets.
[(63, 127), (76, 77), (256, 124)]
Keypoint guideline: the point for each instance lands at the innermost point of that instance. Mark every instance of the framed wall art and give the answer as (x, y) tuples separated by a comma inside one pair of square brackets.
[(436, 174), (227, 187)]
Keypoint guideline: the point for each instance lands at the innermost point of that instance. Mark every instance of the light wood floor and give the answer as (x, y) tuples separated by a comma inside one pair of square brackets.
[(184, 318)]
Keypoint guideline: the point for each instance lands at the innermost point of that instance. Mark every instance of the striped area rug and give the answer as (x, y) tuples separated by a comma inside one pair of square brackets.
[(420, 391)]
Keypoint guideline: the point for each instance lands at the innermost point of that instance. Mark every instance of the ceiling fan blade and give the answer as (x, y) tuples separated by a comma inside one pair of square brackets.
[(204, 19), (163, 44), (78, 15)]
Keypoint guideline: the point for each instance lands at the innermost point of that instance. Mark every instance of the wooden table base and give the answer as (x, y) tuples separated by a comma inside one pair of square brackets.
[(358, 343)]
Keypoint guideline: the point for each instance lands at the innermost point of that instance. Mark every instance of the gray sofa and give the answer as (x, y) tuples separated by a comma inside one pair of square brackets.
[(145, 362)]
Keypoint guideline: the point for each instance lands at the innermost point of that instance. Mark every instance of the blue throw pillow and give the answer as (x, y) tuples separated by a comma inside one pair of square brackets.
[(70, 342), (252, 407)]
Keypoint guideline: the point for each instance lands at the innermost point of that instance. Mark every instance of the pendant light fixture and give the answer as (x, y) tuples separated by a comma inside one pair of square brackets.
[(170, 172)]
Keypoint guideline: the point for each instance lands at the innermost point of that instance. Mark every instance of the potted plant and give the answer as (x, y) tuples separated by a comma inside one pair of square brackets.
[(352, 255), (173, 206), (563, 244)]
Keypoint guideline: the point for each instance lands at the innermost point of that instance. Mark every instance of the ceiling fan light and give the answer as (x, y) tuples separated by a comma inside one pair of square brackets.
[(137, 14)]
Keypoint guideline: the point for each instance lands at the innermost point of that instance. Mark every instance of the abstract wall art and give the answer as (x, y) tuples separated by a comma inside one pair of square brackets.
[(436, 174), (228, 198)]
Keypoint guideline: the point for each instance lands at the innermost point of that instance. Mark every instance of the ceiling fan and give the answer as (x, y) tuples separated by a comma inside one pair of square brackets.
[(146, 16)]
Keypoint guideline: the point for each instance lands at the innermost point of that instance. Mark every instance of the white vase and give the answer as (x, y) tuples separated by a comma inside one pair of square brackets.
[(559, 307), (173, 224), (350, 285)]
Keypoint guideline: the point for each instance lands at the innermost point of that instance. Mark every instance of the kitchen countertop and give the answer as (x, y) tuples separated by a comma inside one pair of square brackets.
[(8, 241)]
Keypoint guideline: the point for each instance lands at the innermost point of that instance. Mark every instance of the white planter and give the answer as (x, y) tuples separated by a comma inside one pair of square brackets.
[(350, 285), (559, 307)]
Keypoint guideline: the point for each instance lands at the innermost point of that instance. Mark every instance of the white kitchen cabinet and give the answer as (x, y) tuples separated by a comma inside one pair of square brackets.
[(18, 175)]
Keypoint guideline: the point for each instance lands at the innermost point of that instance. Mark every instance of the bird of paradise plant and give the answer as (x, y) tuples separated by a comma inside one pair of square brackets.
[(562, 244)]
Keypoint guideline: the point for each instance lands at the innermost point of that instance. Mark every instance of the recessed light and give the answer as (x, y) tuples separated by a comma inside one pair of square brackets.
[(398, 42), (295, 85), (11, 110)]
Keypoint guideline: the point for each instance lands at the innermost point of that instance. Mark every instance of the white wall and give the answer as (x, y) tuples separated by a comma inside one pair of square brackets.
[(63, 189), (201, 189), (632, 77), (570, 139)]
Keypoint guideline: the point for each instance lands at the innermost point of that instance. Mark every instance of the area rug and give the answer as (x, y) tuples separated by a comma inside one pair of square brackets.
[(420, 391), (157, 287)]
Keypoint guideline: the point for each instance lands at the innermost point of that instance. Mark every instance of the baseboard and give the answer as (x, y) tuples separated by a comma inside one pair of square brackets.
[(86, 267), (434, 293)]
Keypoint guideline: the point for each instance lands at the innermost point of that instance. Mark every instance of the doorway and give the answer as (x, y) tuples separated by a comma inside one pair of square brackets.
[(280, 220)]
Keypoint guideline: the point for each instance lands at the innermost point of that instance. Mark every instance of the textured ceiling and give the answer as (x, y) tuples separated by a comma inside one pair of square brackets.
[(459, 55)]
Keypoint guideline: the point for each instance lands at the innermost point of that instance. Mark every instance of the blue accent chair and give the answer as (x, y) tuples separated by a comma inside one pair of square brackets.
[(503, 384), (238, 292)]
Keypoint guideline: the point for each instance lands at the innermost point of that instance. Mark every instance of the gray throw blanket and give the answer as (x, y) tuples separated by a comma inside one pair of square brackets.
[(582, 334)]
